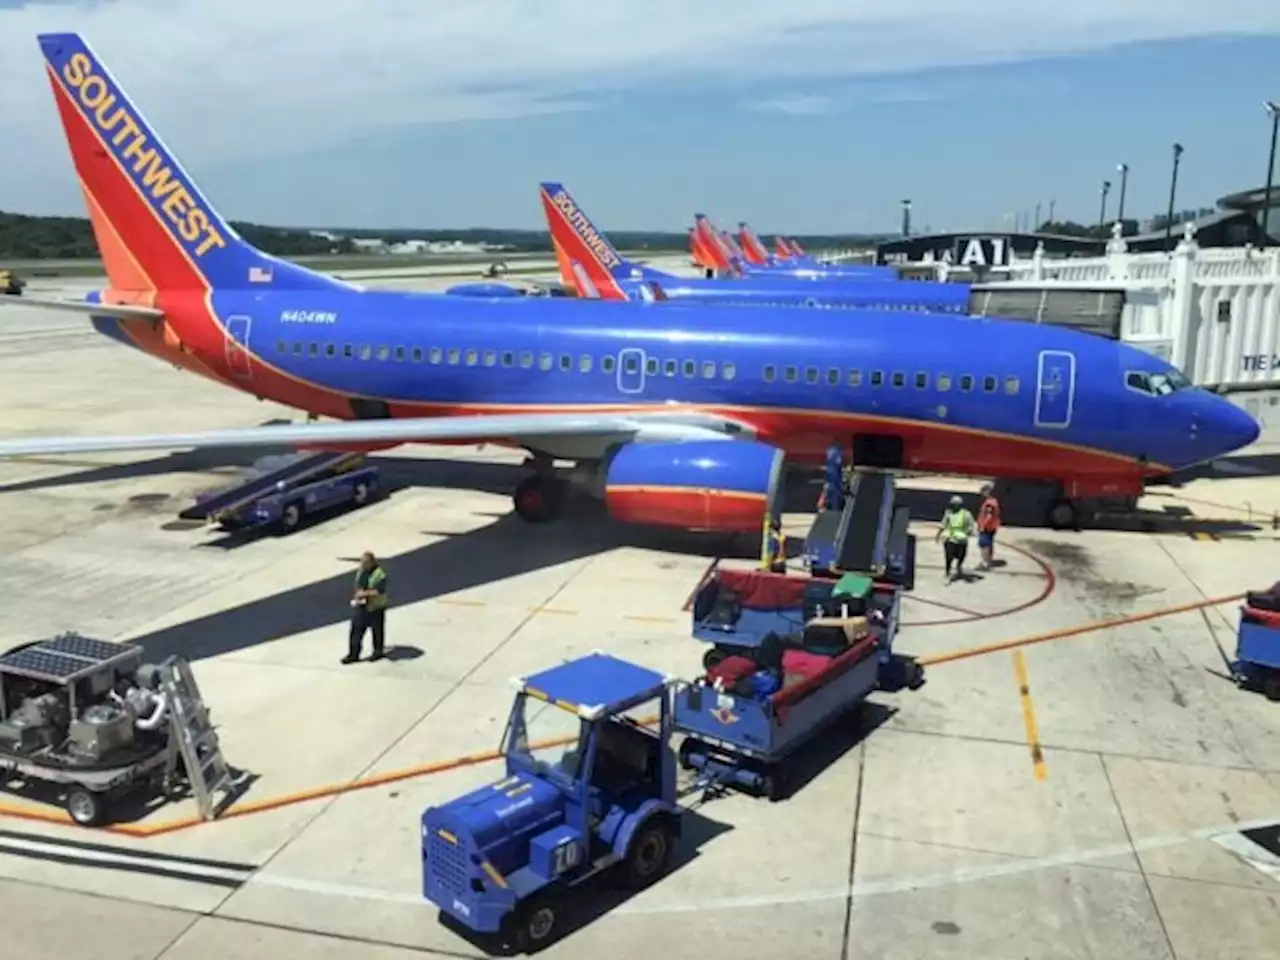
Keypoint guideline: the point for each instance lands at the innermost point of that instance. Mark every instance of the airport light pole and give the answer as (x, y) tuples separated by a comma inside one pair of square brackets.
[(1053, 205), (1273, 109), (906, 218), (1173, 192), (1102, 214), (1036, 226), (1123, 169)]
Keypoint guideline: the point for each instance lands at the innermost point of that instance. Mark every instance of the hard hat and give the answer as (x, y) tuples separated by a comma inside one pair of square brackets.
[(956, 500)]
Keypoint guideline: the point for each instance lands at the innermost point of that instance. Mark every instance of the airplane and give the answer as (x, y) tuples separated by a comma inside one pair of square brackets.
[(613, 277), (675, 415), (732, 260)]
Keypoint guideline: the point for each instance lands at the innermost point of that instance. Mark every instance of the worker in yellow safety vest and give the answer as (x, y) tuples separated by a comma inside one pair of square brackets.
[(775, 547), (955, 530), (368, 609)]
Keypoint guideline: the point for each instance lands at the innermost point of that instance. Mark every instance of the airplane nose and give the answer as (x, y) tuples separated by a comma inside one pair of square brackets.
[(1233, 428)]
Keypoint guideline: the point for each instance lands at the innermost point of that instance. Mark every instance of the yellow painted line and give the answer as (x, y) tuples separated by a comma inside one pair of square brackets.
[(559, 610), (645, 618), (458, 602), (1028, 714)]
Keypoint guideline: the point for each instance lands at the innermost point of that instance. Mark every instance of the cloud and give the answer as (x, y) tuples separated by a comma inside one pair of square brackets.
[(237, 79), (934, 87), (797, 105)]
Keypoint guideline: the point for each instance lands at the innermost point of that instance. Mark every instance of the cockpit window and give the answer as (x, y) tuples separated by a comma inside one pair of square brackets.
[(1156, 384)]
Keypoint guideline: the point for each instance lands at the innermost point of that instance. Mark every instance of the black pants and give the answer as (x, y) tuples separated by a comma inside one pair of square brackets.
[(362, 620), (955, 553)]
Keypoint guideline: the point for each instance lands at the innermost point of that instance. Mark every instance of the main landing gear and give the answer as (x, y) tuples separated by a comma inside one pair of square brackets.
[(1063, 514), (540, 498)]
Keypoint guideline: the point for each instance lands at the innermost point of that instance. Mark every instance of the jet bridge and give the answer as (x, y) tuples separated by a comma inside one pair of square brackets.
[(869, 536), (1090, 308)]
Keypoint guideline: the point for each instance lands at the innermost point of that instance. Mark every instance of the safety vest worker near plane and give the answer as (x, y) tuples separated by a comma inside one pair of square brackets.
[(957, 527), (833, 486), (368, 609)]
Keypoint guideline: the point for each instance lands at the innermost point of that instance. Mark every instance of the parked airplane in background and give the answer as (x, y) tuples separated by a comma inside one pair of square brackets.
[(732, 261), (613, 277), (676, 415)]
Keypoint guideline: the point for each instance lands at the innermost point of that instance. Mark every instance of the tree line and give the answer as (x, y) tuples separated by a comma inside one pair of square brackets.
[(25, 237)]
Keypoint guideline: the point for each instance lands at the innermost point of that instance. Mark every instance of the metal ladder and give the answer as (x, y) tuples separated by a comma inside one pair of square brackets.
[(193, 739)]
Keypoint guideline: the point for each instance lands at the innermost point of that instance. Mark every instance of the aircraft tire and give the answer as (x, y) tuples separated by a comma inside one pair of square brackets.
[(1063, 515), (290, 518), (538, 498)]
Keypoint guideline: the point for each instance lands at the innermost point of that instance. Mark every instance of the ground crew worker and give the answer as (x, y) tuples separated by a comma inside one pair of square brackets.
[(833, 485), (988, 524), (368, 609), (957, 527), (775, 555)]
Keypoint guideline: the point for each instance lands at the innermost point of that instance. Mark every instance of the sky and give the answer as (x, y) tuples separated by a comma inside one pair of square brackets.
[(804, 116)]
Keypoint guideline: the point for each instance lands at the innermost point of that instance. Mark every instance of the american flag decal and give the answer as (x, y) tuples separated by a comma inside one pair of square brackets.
[(259, 274)]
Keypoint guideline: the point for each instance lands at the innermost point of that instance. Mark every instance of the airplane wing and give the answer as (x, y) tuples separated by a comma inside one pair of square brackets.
[(522, 428), (123, 311)]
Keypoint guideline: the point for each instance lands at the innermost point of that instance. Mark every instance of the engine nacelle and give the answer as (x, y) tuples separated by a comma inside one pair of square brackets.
[(721, 485)]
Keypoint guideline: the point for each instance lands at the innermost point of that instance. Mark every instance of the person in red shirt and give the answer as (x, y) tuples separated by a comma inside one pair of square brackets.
[(988, 525)]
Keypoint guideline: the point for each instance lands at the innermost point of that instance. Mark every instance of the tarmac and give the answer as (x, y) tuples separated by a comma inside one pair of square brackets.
[(1108, 793)]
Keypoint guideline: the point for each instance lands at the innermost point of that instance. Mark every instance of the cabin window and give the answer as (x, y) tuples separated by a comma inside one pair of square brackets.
[(899, 378), (330, 349), (669, 368), (769, 373), (607, 364), (855, 378), (526, 360), (810, 374), (877, 378), (297, 349), (313, 349), (366, 351), (348, 350), (454, 356), (922, 380), (490, 358), (566, 362), (708, 369), (1011, 385), (631, 364), (966, 383), (833, 377), (435, 355), (399, 353), (417, 354), (728, 371), (943, 382), (690, 368), (988, 384), (281, 347), (651, 366), (508, 358), (472, 357), (584, 363), (544, 362), (384, 353), (792, 374)]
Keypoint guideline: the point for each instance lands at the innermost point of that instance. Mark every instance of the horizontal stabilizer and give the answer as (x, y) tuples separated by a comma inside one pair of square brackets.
[(479, 428), (123, 311)]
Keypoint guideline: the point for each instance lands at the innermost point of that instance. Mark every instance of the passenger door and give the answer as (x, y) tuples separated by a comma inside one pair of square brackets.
[(238, 358), (1055, 389)]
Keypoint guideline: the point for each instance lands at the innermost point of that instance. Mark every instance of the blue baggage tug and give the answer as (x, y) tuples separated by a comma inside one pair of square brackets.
[(1257, 662)]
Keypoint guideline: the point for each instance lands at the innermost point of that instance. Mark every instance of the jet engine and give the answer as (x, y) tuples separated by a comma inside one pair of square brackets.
[(720, 485)]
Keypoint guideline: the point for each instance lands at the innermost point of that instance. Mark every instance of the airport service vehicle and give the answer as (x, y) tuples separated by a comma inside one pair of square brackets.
[(753, 709), (1257, 662), (611, 276), (867, 536), (500, 859), (676, 415), (283, 491), (60, 727), (11, 284)]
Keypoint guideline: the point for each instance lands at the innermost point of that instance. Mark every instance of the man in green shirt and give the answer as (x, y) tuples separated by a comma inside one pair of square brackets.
[(957, 527), (368, 609)]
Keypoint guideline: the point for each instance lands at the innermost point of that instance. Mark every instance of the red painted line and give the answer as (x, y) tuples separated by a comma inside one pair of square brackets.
[(944, 606), (1050, 584)]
